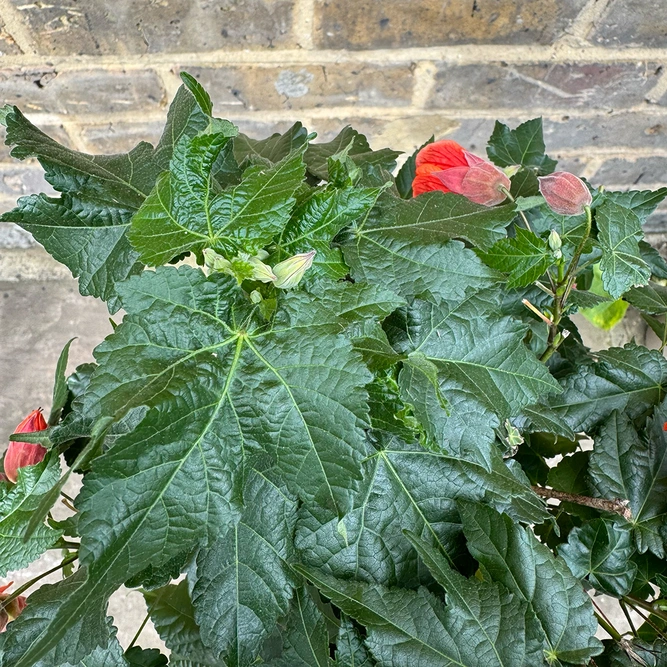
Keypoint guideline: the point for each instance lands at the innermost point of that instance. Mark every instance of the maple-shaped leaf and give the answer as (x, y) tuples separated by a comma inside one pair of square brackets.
[(525, 258), (407, 628), (625, 467), (559, 614), (600, 552), (523, 145), (630, 378), (407, 487), (619, 233)]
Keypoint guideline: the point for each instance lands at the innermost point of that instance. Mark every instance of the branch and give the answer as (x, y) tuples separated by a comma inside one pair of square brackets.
[(615, 506)]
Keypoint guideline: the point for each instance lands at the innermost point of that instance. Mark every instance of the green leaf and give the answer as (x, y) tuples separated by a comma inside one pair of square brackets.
[(559, 613), (267, 391), (642, 202), (485, 619), (88, 237), (173, 617), (41, 637), (151, 657), (244, 583), (600, 552), (350, 648), (629, 378), (407, 487), (651, 299), (480, 356), (406, 173), (183, 213), (414, 629), (525, 257), (524, 145), (106, 656), (570, 228), (60, 389), (588, 300), (16, 509), (624, 467), (359, 150), (274, 148), (654, 259), (622, 266), (305, 637), (319, 218)]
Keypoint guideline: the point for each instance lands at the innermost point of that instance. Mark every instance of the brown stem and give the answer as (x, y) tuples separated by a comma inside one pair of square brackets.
[(615, 506)]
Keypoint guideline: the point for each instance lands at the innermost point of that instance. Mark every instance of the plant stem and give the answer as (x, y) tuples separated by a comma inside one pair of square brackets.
[(28, 584), (615, 506), (141, 627), (648, 620), (608, 627), (506, 192), (624, 607), (563, 289), (648, 606)]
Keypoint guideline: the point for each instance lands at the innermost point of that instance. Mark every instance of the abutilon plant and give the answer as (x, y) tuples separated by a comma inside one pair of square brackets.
[(345, 417)]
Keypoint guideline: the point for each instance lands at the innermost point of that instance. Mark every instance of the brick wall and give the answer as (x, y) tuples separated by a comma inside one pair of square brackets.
[(98, 75)]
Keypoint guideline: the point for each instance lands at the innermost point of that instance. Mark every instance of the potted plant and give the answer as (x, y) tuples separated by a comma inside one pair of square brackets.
[(340, 402)]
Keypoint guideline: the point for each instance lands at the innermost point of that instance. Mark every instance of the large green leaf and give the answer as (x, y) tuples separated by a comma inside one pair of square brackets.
[(627, 468), (105, 656), (642, 202), (600, 551), (559, 613), (619, 233), (651, 298), (415, 629), (407, 488), (630, 378), (243, 582), (480, 356), (273, 148), (172, 614), (16, 508), (524, 145)]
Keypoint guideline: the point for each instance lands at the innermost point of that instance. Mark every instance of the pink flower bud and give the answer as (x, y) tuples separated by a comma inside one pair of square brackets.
[(482, 182), (13, 609), (565, 193), (22, 454)]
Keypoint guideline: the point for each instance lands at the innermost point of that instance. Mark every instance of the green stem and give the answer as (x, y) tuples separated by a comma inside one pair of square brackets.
[(648, 606), (624, 607), (141, 627), (608, 627), (22, 589), (506, 192), (563, 290)]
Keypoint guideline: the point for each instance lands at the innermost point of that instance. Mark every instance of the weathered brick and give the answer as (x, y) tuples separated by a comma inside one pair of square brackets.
[(88, 91), (8, 46), (96, 27), (303, 87), (362, 24), (632, 23), (562, 86), (120, 136), (624, 171)]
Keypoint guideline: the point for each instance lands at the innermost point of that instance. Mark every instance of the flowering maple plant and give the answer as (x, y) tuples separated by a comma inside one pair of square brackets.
[(346, 417)]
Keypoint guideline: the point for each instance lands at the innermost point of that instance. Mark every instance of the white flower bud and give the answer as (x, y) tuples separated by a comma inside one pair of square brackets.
[(289, 272)]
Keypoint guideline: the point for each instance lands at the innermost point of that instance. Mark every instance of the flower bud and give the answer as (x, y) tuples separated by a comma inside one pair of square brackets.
[(565, 193), (13, 609), (555, 244), (260, 271), (289, 272), (216, 262), (256, 297), (482, 183), (22, 454)]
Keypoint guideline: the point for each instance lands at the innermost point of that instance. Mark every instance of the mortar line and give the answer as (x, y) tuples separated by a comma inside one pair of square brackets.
[(17, 29), (303, 22), (424, 83), (462, 54)]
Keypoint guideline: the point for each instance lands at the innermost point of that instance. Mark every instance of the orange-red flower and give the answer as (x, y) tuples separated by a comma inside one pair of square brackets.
[(22, 454), (448, 167), (13, 609)]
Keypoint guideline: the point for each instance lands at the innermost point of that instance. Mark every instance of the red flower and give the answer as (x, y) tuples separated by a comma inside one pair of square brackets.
[(448, 167), (565, 193), (13, 609), (664, 426), (22, 454)]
